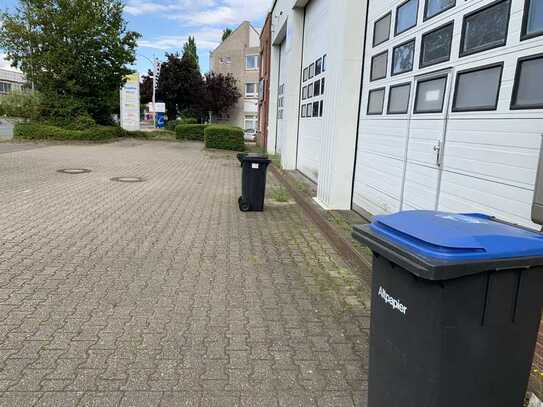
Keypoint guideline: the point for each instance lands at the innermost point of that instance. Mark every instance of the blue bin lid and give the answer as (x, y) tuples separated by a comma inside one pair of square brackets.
[(455, 238)]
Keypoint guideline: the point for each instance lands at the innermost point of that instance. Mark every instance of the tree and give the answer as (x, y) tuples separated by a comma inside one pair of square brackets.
[(226, 33), (180, 85), (146, 88), (190, 50), (75, 52), (221, 93)]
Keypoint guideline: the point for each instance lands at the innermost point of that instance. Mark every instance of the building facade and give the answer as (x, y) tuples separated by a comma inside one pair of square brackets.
[(264, 83), (390, 105), (239, 55), (10, 81)]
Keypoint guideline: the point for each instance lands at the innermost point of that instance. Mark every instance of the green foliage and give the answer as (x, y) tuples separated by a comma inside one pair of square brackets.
[(191, 51), (180, 85), (21, 104), (189, 120), (75, 50), (81, 122), (39, 131), (221, 93), (191, 131), (224, 138), (226, 33)]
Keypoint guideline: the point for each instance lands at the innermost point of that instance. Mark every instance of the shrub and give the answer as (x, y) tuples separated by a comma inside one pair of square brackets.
[(39, 131), (189, 120), (224, 138), (190, 131), (149, 134), (81, 122), (21, 104)]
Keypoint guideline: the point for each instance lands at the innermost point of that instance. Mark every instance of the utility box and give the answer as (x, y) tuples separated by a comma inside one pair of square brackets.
[(456, 306)]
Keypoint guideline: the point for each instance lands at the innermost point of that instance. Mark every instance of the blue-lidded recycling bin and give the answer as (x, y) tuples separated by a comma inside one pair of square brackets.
[(456, 306)]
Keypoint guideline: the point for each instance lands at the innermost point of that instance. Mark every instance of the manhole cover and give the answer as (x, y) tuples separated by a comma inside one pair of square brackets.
[(128, 179), (74, 170)]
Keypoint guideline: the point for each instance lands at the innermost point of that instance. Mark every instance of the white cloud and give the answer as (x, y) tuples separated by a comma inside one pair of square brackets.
[(203, 12), (206, 39)]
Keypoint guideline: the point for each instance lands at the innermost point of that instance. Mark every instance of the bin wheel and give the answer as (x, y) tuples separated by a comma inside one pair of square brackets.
[(243, 205)]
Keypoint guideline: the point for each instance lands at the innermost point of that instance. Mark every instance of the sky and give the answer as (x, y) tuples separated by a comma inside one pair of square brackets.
[(166, 24)]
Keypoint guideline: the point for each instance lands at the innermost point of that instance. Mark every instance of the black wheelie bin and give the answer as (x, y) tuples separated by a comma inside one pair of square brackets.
[(456, 307), (254, 169)]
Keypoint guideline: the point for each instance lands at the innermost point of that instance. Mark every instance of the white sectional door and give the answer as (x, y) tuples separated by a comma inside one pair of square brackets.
[(282, 98), (489, 129), (312, 82)]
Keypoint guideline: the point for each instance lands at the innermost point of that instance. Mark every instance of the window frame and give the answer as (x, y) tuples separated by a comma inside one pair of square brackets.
[(317, 85), (253, 119), (324, 62), (251, 95), (454, 109), (323, 83), (514, 94), (523, 31), (475, 12), (430, 79), (384, 89), (316, 103), (303, 111), (425, 14), (321, 108), (305, 74), (318, 63), (389, 14), (386, 66), (396, 32), (421, 56), (257, 62), (311, 71), (310, 91), (399, 85), (414, 41)]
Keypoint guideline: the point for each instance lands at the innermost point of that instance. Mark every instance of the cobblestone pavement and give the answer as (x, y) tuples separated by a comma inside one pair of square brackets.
[(162, 292)]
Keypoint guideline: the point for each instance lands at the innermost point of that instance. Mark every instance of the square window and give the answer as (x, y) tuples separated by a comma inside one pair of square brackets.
[(381, 30), (376, 100), (311, 71), (430, 95), (317, 88), (322, 86), (310, 91), (532, 23), (436, 46), (318, 66), (306, 74), (251, 62), (304, 93), (485, 28), (528, 88), (402, 58), (477, 89), (398, 99), (315, 109), (251, 90), (379, 66), (435, 7), (324, 63), (406, 16), (321, 108)]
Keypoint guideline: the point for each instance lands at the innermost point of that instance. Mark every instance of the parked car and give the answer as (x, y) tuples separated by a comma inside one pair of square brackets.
[(250, 135)]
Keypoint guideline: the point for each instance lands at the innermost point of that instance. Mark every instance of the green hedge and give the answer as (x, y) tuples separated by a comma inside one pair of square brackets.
[(224, 138), (38, 131), (190, 131)]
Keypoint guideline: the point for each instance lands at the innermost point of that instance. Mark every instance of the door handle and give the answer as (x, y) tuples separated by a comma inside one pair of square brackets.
[(437, 149)]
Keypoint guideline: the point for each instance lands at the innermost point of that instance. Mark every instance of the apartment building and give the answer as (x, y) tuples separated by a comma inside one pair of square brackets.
[(239, 55), (10, 81)]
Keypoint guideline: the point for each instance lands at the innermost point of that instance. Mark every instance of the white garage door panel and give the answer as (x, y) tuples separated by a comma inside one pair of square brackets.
[(311, 129), (379, 184), (424, 135), (420, 186), (385, 137), (462, 193)]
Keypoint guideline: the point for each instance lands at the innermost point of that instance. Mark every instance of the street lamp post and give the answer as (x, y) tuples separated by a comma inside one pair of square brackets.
[(156, 70)]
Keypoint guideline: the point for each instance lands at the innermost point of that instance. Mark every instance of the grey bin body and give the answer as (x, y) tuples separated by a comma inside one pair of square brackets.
[(450, 334)]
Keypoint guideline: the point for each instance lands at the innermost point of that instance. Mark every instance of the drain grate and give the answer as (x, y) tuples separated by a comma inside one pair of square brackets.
[(127, 179), (74, 170)]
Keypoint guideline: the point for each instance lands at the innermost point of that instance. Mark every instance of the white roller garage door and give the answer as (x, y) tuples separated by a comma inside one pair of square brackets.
[(465, 142), (313, 87)]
